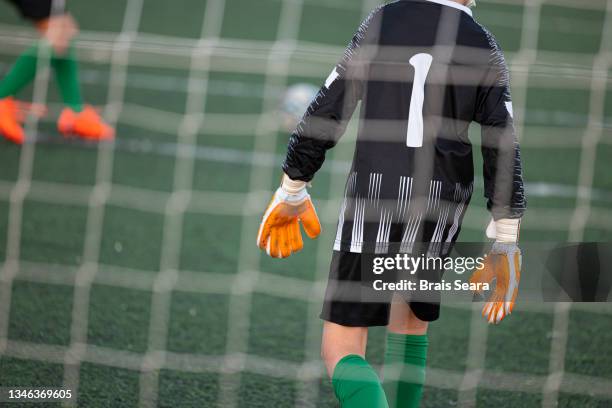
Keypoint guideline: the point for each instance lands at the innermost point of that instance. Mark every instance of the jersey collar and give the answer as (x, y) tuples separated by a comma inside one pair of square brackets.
[(453, 4)]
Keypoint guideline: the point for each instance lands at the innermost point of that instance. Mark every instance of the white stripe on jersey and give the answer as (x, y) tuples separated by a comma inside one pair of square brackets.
[(434, 249), (404, 197), (374, 187), (358, 220), (384, 231), (350, 185)]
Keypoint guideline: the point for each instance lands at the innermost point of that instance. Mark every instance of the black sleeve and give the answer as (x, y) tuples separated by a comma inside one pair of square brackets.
[(503, 171), (329, 113), (34, 9)]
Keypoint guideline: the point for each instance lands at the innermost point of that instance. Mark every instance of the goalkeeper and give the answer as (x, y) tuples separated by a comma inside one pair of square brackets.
[(423, 70), (57, 31)]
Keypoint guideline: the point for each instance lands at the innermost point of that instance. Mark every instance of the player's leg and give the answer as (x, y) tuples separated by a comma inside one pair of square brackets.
[(18, 77), (76, 118), (67, 75), (21, 73), (347, 316), (339, 341), (405, 356), (355, 382)]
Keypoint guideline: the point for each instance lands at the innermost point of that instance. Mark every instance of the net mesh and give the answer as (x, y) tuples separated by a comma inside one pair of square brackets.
[(154, 236)]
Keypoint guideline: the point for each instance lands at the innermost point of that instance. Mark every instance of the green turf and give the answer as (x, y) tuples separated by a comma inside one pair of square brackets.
[(15, 372), (102, 386), (571, 29), (41, 313), (572, 400), (535, 329), (190, 317), (155, 99), (295, 268), (89, 18), (123, 245), (589, 336), (239, 97), (182, 389), (505, 21), (261, 391), (130, 331), (291, 317), (209, 176), (160, 18), (452, 329), (248, 20), (4, 210), (490, 398), (50, 164), (52, 233), (170, 97), (215, 256), (329, 24), (141, 170), (435, 397), (9, 155)]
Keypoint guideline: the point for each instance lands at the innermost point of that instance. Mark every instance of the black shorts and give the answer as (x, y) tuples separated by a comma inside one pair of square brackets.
[(344, 302)]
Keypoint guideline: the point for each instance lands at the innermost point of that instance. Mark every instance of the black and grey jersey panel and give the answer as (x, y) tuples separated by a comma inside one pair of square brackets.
[(389, 198), (377, 223)]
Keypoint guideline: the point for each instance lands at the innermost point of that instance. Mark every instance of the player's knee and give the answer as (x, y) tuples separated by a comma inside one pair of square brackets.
[(326, 354), (404, 321), (339, 342), (331, 355)]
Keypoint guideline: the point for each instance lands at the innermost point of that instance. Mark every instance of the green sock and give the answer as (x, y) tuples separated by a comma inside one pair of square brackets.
[(67, 75), (404, 372), (357, 385), (20, 74)]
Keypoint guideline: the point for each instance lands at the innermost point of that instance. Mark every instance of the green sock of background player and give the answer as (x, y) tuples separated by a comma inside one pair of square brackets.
[(357, 385), (21, 73), (404, 372), (66, 73)]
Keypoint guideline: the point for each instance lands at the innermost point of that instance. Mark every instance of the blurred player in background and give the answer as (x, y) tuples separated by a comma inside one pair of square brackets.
[(57, 31), (423, 71)]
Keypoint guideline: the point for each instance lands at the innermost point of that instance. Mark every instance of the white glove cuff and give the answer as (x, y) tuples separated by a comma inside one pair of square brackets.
[(504, 230), (292, 186)]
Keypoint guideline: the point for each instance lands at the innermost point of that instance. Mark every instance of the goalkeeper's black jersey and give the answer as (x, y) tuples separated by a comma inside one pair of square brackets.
[(423, 71)]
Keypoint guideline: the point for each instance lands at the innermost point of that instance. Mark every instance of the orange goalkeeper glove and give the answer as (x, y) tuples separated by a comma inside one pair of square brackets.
[(279, 233), (502, 264)]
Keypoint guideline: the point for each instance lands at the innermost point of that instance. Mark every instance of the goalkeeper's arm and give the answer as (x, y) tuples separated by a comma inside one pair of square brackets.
[(504, 190), (319, 130), (327, 116), (502, 164)]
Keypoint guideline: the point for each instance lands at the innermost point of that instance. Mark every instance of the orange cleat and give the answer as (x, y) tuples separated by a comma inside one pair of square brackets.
[(11, 118), (86, 124)]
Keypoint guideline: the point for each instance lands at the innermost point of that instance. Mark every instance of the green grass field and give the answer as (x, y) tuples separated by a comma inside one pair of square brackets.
[(102, 284)]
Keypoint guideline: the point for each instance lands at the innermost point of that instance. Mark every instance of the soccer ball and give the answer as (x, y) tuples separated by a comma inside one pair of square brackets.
[(295, 102)]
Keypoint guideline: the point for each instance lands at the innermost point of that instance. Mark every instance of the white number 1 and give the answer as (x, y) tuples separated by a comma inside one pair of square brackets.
[(421, 64)]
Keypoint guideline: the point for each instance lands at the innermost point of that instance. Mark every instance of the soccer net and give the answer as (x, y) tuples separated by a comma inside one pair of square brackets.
[(164, 285)]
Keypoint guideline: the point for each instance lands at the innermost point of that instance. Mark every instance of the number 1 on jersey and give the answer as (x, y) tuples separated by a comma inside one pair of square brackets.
[(421, 64)]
